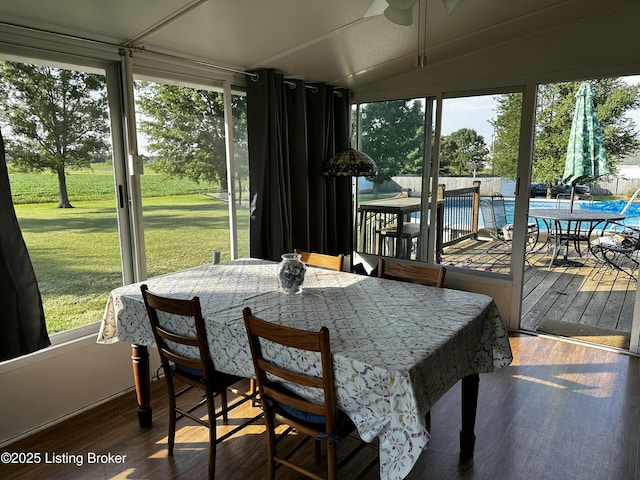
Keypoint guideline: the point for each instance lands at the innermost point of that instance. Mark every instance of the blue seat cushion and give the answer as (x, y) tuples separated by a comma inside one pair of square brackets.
[(301, 415), (188, 371), (343, 428)]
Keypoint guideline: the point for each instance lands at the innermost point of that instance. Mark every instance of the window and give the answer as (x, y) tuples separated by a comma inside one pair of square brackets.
[(479, 144), (477, 159), (59, 161), (184, 187), (392, 134)]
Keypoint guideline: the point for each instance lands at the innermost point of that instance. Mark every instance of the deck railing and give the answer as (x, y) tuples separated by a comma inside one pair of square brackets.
[(456, 220), (457, 215)]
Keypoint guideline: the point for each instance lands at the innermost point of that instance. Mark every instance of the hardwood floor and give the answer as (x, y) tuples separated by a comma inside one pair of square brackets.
[(562, 410)]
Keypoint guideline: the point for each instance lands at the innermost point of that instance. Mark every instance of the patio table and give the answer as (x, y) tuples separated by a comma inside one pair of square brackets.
[(399, 208), (564, 226), (397, 347)]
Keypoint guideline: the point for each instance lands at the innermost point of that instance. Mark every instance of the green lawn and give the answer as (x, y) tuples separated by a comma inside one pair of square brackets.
[(76, 254), (95, 183)]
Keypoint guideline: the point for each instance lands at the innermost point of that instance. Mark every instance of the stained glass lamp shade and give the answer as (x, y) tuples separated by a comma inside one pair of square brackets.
[(350, 163)]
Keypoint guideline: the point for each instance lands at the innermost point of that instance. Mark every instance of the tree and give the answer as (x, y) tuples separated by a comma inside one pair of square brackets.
[(507, 135), (185, 127), (556, 103), (392, 134), (57, 119), (459, 148)]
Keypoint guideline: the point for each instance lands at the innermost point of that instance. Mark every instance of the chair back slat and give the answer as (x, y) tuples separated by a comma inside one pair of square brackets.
[(333, 262), (411, 272)]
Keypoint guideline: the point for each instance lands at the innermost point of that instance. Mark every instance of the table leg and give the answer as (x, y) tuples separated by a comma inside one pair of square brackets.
[(399, 233), (363, 230), (140, 362), (470, 385)]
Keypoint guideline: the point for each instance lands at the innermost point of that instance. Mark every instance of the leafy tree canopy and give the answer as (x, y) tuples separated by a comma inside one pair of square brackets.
[(556, 103), (392, 134), (507, 135), (185, 128), (460, 148), (57, 119)]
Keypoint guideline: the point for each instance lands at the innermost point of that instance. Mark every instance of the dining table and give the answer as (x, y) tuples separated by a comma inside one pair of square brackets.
[(397, 347), (565, 225)]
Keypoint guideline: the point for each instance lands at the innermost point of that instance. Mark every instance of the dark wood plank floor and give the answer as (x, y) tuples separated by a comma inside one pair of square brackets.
[(562, 411)]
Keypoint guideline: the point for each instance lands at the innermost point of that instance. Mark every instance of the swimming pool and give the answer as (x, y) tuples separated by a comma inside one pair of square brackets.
[(613, 206)]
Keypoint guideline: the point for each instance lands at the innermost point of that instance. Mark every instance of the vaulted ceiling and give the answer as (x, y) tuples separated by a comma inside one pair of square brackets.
[(346, 42)]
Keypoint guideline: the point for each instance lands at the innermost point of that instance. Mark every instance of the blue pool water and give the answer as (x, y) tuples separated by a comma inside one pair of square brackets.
[(613, 206)]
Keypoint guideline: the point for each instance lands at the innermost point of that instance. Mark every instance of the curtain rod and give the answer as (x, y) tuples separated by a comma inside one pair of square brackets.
[(192, 60), (314, 88)]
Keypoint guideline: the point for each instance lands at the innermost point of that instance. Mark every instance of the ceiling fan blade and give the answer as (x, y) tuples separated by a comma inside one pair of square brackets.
[(450, 5)]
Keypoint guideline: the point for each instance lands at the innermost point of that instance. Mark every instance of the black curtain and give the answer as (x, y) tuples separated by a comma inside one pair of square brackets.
[(293, 128), (22, 326)]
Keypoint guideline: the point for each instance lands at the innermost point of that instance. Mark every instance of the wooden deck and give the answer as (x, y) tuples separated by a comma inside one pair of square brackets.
[(591, 294)]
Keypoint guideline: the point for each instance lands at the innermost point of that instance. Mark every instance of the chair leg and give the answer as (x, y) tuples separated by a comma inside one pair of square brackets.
[(171, 437), (224, 405), (211, 410), (271, 446), (316, 450), (332, 463), (253, 390), (617, 259)]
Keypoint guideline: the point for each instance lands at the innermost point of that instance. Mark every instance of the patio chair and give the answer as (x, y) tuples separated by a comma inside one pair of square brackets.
[(497, 225), (319, 420), (322, 260), (408, 243), (618, 248), (181, 338)]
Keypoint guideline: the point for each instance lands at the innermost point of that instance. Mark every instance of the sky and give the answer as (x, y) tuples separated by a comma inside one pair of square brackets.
[(476, 112)]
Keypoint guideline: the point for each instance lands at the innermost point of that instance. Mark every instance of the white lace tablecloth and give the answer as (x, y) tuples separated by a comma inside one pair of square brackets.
[(397, 347)]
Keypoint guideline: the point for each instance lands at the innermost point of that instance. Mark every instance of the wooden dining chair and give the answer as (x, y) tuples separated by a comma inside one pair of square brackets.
[(181, 338), (322, 260), (320, 420), (411, 272)]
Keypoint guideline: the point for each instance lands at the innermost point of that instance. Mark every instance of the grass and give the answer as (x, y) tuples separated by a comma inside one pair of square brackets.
[(76, 254), (95, 183)]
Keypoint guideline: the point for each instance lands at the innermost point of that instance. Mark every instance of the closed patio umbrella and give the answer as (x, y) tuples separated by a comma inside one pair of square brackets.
[(586, 155)]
